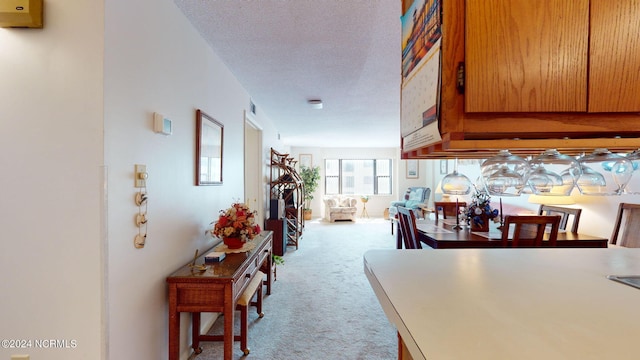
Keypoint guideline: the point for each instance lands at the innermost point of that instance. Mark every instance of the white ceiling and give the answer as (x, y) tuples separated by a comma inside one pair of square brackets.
[(285, 52)]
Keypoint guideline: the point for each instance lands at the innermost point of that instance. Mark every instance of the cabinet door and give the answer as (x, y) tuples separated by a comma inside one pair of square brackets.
[(526, 55), (614, 69)]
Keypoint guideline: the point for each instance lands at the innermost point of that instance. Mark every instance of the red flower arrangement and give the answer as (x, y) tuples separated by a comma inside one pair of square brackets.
[(238, 221)]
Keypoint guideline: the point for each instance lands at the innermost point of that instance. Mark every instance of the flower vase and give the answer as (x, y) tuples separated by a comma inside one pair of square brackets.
[(233, 243), (482, 225)]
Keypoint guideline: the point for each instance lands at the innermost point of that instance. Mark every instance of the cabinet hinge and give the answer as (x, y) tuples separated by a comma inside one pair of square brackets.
[(460, 78)]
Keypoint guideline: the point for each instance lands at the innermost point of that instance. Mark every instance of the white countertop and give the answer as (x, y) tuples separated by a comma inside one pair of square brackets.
[(510, 303)]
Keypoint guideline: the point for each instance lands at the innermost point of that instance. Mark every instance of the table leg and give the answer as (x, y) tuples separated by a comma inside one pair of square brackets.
[(268, 268), (229, 314), (195, 332), (174, 325), (270, 272)]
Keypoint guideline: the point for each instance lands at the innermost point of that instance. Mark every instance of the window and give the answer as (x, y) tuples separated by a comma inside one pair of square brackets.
[(369, 176)]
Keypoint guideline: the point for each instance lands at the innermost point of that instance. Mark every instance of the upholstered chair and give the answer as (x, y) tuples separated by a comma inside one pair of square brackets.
[(340, 208), (415, 199)]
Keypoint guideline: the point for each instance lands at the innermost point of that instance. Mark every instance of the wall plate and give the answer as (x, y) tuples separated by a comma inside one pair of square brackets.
[(140, 176)]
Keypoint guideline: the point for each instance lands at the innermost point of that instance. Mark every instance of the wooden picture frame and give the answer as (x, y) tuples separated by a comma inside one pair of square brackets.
[(209, 140), (306, 160), (413, 169)]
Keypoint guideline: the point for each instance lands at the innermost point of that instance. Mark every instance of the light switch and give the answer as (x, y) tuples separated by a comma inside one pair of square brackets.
[(141, 176)]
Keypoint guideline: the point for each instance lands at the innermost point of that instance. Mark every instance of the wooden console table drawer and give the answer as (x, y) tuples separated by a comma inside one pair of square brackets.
[(243, 278), (196, 297)]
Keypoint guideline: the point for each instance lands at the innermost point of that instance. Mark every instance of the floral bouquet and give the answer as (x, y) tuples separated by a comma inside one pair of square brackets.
[(238, 221), (480, 209)]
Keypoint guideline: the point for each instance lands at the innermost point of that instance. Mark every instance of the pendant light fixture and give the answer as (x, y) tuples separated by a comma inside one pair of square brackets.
[(455, 183)]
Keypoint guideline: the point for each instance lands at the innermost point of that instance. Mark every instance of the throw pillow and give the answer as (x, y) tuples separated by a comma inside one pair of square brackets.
[(412, 203), (416, 194), (331, 202)]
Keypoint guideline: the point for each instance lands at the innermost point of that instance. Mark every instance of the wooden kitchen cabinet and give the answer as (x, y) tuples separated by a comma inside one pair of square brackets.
[(614, 56), (523, 57), (597, 105)]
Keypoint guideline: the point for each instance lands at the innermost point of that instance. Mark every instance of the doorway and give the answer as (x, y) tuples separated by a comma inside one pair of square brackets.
[(253, 167)]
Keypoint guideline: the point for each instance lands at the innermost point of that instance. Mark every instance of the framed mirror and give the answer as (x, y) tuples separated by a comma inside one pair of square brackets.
[(209, 136)]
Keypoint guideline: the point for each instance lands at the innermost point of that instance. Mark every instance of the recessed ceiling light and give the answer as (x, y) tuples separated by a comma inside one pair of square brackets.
[(315, 103)]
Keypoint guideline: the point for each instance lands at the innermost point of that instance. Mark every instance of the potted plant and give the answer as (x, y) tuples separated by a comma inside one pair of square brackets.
[(310, 178)]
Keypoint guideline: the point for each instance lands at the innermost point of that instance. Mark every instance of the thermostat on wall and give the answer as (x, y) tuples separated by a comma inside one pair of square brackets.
[(161, 124)]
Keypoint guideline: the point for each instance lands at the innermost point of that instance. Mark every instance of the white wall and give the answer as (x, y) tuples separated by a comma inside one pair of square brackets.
[(77, 99), (428, 175), (376, 203), (161, 64), (51, 158)]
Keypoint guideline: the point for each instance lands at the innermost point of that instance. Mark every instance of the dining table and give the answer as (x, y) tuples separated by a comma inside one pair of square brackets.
[(443, 234)]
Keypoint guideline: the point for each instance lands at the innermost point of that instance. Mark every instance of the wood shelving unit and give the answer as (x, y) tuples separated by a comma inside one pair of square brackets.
[(286, 184)]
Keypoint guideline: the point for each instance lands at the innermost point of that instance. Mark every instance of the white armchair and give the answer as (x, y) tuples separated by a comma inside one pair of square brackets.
[(340, 208)]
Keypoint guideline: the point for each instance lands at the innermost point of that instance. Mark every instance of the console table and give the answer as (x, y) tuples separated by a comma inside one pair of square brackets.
[(216, 289)]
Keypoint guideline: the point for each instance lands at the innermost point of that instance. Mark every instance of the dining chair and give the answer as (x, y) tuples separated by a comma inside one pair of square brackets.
[(447, 208), (408, 228), (403, 231), (628, 219), (564, 213), (529, 230)]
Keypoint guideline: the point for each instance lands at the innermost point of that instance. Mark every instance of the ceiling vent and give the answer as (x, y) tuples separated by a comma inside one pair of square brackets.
[(21, 13)]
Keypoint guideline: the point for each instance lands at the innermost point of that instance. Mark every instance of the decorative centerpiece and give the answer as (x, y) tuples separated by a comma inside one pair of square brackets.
[(479, 212), (236, 225)]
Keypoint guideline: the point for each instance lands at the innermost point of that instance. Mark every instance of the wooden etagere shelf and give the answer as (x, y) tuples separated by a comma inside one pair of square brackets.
[(286, 184)]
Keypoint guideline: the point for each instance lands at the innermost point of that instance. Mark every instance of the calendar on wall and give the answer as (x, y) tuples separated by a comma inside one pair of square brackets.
[(421, 65)]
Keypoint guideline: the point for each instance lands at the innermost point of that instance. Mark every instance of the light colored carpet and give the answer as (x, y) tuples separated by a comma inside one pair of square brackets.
[(321, 306)]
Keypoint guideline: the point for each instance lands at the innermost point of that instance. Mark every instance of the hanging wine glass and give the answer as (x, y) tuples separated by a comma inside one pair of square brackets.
[(542, 181), (504, 182), (591, 182), (633, 187), (615, 173), (553, 173), (504, 174)]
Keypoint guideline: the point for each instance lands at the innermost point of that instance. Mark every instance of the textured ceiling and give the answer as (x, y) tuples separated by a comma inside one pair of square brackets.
[(285, 52)]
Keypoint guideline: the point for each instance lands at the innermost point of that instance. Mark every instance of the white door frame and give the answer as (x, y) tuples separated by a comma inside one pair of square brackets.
[(253, 167)]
